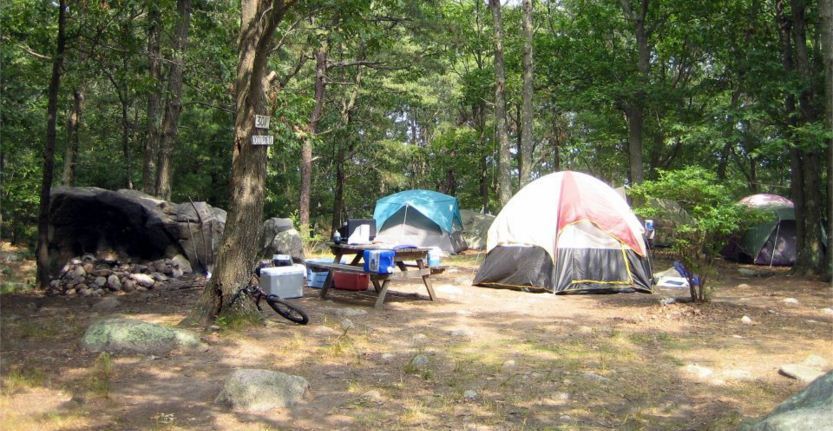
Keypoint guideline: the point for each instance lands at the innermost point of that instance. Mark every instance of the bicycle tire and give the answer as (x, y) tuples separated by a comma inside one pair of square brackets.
[(288, 311)]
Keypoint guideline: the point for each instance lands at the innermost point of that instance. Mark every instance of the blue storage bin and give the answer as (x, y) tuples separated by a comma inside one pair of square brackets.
[(379, 261), (316, 279)]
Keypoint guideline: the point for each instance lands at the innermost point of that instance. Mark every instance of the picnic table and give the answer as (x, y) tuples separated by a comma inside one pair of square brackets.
[(403, 258)]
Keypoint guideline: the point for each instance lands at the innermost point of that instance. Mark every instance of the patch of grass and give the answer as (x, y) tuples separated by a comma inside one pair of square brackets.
[(18, 379), (99, 381), (465, 260)]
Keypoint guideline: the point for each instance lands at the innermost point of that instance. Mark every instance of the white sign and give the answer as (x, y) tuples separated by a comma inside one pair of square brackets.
[(262, 121), (263, 140)]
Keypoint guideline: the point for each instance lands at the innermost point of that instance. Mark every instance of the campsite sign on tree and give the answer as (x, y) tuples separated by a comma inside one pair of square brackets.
[(262, 122)]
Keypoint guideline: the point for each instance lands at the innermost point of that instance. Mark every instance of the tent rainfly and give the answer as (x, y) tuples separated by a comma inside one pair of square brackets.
[(420, 217), (567, 232), (772, 242)]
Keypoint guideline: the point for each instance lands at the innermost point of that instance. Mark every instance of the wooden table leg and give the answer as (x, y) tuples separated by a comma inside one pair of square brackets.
[(376, 285), (426, 279), (327, 282), (356, 259), (380, 301)]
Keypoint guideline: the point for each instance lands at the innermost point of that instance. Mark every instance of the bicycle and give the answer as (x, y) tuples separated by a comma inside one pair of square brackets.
[(285, 309)]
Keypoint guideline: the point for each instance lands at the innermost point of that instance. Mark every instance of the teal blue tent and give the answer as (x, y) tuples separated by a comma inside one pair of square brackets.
[(420, 217)]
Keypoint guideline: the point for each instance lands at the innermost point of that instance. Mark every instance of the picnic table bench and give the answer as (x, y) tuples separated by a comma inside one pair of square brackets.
[(380, 281)]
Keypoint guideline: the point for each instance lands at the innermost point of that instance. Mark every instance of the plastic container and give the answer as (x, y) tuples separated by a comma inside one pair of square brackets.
[(316, 279), (281, 260), (379, 261), (283, 281), (350, 281), (434, 257)]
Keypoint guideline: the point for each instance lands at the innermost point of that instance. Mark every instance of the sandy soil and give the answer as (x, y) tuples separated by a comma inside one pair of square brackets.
[(535, 361)]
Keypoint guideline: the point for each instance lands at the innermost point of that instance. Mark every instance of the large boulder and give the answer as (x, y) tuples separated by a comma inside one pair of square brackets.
[(809, 410), (476, 228), (135, 336), (279, 236), (131, 224), (253, 390)]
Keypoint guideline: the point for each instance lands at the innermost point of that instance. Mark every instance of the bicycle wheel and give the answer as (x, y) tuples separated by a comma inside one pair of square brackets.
[(288, 311)]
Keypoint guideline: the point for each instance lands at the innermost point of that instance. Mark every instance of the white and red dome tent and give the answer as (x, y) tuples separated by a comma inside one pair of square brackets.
[(567, 232)]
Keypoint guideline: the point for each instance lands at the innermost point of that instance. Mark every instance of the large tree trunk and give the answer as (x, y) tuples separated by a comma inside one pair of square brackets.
[(338, 196), (49, 149), (504, 156), (125, 142), (73, 142), (154, 98), (826, 30), (174, 106), (342, 153), (635, 109), (527, 114), (306, 146), (236, 255), (810, 257)]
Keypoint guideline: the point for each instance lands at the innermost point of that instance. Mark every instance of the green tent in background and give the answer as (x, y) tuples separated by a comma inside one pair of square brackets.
[(772, 242)]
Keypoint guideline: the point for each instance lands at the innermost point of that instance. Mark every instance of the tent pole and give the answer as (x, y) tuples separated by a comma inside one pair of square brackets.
[(775, 243)]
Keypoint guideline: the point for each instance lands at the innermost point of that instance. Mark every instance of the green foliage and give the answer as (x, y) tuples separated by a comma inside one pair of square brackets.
[(713, 216)]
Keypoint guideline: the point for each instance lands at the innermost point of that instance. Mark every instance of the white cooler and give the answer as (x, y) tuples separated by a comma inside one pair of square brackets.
[(284, 281)]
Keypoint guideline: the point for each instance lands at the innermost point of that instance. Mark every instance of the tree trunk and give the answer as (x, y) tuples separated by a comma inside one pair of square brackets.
[(810, 257), (338, 198), (174, 107), (73, 142), (826, 12), (125, 142), (236, 255), (49, 150), (527, 114), (504, 162), (154, 98), (635, 109), (306, 146)]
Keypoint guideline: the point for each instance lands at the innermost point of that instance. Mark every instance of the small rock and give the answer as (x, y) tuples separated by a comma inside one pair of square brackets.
[(387, 357), (88, 268), (182, 263), (563, 396), (71, 292), (373, 395), (86, 291), (509, 365), (256, 391), (347, 324), (419, 362), (461, 332), (141, 289), (743, 286), (667, 301), (565, 418), (585, 330), (54, 284), (828, 311), (176, 273), (143, 280), (78, 272), (159, 277), (470, 395), (746, 320), (699, 371), (128, 285), (790, 301), (113, 282)]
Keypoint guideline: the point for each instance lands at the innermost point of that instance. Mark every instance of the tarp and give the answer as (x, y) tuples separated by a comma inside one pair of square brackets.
[(440, 208)]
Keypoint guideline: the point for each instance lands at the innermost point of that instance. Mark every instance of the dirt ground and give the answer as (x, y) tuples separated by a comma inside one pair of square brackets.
[(534, 361)]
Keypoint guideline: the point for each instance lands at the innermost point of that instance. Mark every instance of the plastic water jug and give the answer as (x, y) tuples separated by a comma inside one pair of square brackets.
[(379, 261), (434, 258)]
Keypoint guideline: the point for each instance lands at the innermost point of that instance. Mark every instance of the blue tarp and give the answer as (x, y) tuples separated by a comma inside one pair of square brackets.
[(444, 210)]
